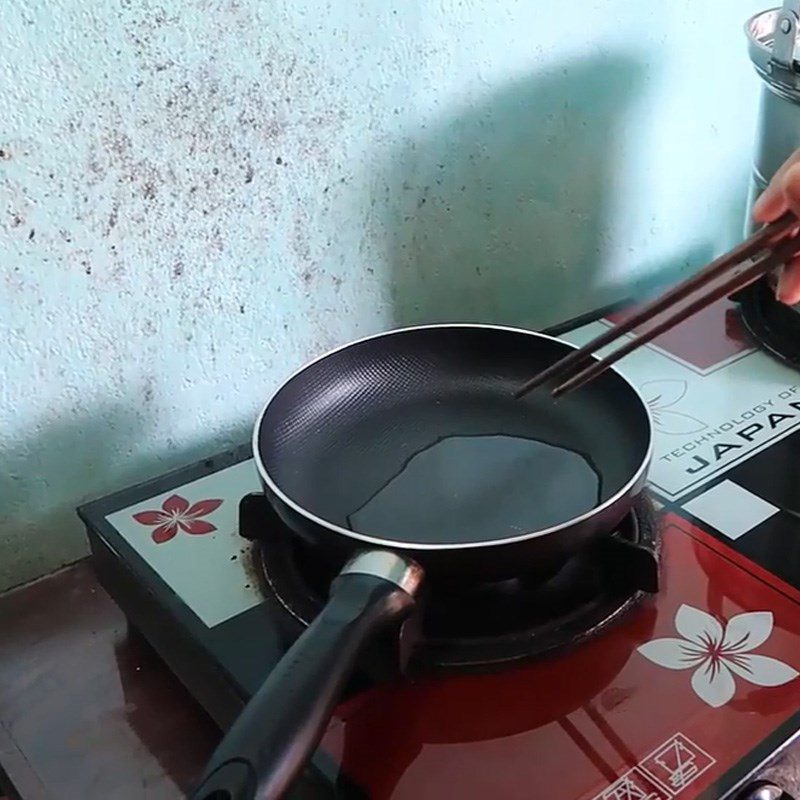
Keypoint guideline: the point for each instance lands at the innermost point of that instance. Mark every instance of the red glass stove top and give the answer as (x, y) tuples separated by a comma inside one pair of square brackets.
[(660, 706)]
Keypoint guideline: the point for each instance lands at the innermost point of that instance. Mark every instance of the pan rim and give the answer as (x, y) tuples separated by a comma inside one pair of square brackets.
[(391, 544)]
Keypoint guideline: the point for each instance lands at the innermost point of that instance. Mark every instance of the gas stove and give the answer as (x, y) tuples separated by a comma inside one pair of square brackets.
[(661, 664)]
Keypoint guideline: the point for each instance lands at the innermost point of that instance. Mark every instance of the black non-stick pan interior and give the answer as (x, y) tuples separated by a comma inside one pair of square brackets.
[(416, 436)]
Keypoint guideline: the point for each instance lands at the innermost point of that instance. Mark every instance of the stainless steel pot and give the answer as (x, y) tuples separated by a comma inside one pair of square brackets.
[(772, 39)]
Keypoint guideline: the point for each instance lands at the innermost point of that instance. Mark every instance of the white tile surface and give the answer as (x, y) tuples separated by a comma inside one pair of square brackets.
[(206, 571), (731, 509)]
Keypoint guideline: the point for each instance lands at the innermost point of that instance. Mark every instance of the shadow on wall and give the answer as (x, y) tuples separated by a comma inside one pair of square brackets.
[(508, 204), (45, 476)]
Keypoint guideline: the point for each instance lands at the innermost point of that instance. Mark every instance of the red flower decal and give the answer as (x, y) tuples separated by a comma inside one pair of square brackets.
[(177, 513)]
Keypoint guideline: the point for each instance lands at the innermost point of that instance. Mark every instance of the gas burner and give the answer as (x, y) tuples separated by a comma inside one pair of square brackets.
[(772, 325), (486, 626)]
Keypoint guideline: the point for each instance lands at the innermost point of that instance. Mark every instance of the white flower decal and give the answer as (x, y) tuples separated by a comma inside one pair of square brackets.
[(717, 655), (660, 397)]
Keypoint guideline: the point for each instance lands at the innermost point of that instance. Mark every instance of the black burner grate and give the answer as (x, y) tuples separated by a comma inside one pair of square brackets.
[(772, 325), (490, 624)]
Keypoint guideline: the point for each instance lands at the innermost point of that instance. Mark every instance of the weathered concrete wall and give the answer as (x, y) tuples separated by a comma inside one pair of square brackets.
[(197, 196)]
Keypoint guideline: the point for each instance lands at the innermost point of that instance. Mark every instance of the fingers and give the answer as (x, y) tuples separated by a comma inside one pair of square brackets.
[(771, 204), (788, 290), (783, 194), (791, 188), (775, 199), (789, 283)]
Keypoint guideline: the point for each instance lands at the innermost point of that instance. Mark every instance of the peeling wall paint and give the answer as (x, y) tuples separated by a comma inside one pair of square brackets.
[(196, 197)]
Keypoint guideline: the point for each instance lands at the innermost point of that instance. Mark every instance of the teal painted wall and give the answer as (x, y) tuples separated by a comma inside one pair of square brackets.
[(198, 196)]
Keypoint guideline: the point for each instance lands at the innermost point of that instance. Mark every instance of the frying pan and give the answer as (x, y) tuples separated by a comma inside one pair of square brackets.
[(407, 453)]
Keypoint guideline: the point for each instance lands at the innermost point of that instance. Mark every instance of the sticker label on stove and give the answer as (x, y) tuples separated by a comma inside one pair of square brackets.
[(666, 772), (634, 785), (707, 422), (190, 537), (677, 763)]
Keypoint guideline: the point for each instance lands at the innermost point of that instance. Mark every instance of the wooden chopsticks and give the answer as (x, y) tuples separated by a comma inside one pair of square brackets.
[(765, 250)]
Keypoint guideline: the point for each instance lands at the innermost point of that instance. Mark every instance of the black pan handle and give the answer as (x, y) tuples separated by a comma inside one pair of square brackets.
[(279, 729)]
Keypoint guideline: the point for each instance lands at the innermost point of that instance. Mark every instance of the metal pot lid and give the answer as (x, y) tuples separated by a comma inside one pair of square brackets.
[(772, 41)]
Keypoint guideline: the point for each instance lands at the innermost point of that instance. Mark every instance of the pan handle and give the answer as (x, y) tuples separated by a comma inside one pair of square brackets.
[(279, 729)]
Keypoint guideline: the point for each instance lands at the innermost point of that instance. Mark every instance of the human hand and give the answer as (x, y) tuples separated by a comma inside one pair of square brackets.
[(782, 194)]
